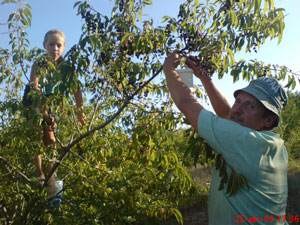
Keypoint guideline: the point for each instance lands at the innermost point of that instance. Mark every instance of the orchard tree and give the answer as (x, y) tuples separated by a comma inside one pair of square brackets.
[(124, 166), (289, 126)]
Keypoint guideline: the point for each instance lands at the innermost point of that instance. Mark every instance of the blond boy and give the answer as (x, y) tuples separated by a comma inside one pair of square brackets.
[(54, 43)]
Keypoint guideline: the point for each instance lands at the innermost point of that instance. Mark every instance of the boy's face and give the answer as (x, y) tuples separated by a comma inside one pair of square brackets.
[(55, 45)]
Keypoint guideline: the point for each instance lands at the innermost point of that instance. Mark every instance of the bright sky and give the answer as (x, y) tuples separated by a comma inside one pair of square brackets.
[(59, 14)]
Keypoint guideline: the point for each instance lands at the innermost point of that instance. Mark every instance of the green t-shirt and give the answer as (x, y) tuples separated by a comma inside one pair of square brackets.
[(261, 157)]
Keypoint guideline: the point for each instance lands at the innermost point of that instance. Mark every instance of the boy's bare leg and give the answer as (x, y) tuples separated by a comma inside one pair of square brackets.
[(39, 168), (51, 189), (50, 142), (51, 181)]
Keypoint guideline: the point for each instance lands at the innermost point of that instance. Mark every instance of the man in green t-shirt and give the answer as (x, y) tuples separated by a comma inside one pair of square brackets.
[(242, 133)]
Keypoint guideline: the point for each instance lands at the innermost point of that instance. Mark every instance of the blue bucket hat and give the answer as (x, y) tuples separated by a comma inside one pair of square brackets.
[(269, 92)]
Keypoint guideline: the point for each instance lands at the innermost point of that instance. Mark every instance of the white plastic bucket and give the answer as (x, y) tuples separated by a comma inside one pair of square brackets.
[(56, 189), (186, 75), (59, 185)]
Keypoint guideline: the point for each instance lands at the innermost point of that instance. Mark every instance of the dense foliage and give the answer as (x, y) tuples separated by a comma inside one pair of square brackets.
[(126, 166), (289, 128)]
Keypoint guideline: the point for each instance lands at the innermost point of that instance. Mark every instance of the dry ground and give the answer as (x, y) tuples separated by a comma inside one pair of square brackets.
[(196, 215)]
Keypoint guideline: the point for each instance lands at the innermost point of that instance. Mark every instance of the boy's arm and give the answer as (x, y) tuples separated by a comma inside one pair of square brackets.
[(79, 104), (218, 100), (33, 78), (180, 93)]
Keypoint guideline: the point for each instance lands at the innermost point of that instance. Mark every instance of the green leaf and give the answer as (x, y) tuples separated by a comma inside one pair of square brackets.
[(219, 161), (257, 6), (230, 184), (8, 1), (127, 36), (291, 82), (165, 18), (244, 182), (230, 53), (251, 5), (76, 4), (280, 32), (222, 170), (11, 17), (177, 214), (271, 4)]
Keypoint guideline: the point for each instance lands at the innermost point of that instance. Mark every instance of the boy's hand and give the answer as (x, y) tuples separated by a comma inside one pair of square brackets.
[(53, 123)]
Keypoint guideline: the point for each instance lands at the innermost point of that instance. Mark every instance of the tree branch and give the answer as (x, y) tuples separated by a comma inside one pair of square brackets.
[(94, 113), (82, 136), (14, 167)]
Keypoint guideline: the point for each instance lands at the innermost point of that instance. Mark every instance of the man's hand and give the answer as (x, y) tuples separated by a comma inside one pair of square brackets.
[(172, 61), (193, 63)]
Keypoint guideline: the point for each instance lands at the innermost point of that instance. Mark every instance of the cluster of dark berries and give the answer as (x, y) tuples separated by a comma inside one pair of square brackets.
[(91, 22), (121, 5), (206, 65), (42, 62), (181, 11), (73, 50), (168, 29), (255, 43), (228, 5), (194, 40), (96, 83), (105, 56), (128, 48)]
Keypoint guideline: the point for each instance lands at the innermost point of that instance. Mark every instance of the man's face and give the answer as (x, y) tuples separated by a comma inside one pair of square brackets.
[(55, 45), (248, 111)]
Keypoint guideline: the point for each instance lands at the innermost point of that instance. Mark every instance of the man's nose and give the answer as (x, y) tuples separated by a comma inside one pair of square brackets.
[(238, 108)]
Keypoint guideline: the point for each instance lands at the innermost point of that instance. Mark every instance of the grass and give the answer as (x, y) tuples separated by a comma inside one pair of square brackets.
[(197, 215)]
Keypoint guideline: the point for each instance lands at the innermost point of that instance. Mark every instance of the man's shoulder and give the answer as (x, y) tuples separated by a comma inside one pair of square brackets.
[(208, 122)]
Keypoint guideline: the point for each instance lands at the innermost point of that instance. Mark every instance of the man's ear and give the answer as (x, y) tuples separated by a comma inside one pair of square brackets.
[(270, 120)]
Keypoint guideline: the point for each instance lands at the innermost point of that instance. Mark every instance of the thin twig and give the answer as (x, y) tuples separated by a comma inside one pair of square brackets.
[(76, 172), (15, 168), (75, 121), (87, 162), (94, 113)]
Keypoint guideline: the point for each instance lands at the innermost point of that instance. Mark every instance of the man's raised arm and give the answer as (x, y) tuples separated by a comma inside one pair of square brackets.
[(219, 102), (180, 93)]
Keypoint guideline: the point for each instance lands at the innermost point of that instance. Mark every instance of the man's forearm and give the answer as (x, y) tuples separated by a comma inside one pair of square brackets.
[(183, 97), (180, 93), (219, 102)]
